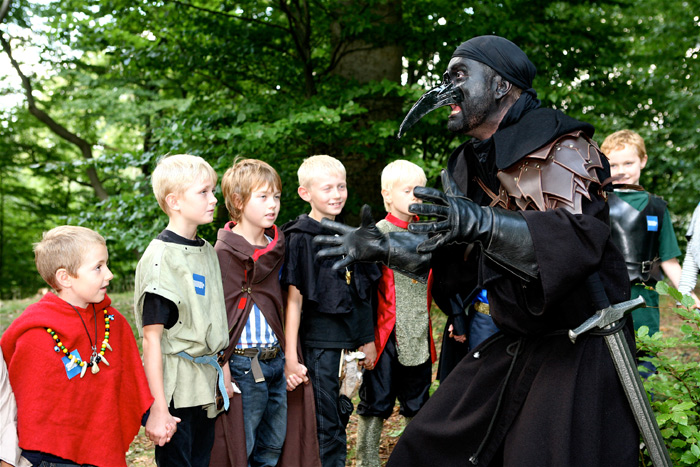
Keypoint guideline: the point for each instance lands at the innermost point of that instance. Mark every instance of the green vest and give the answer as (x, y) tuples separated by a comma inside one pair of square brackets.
[(189, 277)]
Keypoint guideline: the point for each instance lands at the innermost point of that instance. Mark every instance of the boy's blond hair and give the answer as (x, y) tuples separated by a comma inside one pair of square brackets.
[(399, 171), (176, 173), (619, 139), (317, 166), (63, 247), (244, 177)]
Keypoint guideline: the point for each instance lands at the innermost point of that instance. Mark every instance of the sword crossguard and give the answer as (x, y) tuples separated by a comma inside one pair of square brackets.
[(606, 317)]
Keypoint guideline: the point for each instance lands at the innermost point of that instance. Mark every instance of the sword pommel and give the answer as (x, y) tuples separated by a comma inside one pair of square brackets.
[(607, 316)]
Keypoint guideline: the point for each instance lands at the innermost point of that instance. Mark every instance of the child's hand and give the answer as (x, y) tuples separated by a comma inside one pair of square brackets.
[(161, 426), (370, 351), (461, 339), (231, 387), (296, 374)]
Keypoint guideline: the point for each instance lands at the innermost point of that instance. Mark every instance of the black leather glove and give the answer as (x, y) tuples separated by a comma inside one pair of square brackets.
[(464, 221), (503, 234), (366, 244)]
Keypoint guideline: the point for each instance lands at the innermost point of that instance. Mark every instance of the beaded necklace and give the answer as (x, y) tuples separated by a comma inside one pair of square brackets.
[(96, 357)]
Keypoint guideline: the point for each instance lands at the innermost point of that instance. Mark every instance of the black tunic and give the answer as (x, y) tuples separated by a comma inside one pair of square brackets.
[(528, 396), (335, 314)]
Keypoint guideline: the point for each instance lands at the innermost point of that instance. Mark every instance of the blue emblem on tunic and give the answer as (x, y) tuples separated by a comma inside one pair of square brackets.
[(199, 284), (652, 224)]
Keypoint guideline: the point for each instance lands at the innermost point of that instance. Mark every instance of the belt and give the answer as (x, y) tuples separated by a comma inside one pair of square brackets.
[(258, 354), (213, 361), (482, 308)]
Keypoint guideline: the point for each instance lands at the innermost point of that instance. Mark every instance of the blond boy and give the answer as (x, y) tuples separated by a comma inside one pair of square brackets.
[(73, 361), (402, 336), (179, 303), (329, 311), (641, 226)]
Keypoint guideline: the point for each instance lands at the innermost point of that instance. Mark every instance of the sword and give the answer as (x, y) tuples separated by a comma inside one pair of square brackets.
[(605, 318)]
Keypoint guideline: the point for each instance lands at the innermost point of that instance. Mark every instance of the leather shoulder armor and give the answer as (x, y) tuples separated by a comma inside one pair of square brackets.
[(557, 175)]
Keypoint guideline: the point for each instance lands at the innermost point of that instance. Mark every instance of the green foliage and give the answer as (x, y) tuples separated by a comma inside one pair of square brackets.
[(280, 81), (676, 386)]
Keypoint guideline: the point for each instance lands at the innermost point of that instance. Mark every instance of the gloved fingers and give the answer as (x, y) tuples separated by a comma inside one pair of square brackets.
[(428, 227), (336, 226), (332, 251), (431, 195), (449, 186), (343, 263), (331, 240), (430, 210), (432, 244), (366, 216)]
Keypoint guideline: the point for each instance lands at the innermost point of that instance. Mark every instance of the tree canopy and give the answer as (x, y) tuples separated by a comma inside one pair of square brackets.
[(123, 82)]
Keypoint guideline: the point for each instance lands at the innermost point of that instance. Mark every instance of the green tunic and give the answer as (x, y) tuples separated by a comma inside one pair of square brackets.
[(190, 277)]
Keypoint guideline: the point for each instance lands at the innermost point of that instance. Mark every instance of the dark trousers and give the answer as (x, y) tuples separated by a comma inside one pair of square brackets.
[(390, 380), (191, 444), (323, 366)]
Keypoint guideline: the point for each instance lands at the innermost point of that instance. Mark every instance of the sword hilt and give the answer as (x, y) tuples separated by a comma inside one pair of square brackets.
[(607, 314)]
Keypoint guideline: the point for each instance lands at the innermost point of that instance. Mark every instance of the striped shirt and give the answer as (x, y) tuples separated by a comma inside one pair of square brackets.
[(257, 332)]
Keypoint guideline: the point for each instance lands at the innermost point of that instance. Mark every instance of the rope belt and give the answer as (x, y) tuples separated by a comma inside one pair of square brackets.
[(258, 354), (210, 360)]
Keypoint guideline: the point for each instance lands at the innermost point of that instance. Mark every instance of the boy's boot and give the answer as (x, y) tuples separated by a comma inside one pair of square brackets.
[(369, 432)]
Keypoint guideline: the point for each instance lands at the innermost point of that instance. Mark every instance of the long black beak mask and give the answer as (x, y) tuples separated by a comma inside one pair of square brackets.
[(445, 94)]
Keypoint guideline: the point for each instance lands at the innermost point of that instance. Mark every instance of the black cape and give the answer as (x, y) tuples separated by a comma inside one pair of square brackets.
[(335, 314), (528, 396)]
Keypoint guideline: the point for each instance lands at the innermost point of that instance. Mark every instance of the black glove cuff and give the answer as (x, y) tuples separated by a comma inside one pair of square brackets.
[(511, 244)]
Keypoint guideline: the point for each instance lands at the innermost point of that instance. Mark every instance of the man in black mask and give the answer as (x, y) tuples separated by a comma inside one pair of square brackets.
[(521, 220)]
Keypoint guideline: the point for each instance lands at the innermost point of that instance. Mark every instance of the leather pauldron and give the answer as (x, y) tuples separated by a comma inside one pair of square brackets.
[(557, 175)]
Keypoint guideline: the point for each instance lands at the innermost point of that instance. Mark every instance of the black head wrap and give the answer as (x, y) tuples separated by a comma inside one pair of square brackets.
[(506, 58)]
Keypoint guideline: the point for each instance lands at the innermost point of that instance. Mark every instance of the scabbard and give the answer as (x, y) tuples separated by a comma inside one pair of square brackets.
[(637, 397)]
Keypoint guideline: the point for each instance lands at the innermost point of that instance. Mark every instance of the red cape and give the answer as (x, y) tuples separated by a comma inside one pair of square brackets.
[(386, 307), (89, 420)]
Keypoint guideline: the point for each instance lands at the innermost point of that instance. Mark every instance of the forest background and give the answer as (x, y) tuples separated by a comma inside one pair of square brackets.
[(93, 92)]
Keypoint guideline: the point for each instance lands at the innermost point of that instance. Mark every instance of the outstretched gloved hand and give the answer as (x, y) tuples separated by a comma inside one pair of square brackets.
[(460, 220), (365, 244)]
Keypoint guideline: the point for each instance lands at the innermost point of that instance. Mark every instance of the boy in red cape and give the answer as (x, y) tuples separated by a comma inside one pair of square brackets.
[(73, 362), (403, 337)]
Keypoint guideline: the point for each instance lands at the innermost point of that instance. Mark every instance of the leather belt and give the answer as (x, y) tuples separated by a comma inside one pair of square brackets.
[(258, 354), (263, 353)]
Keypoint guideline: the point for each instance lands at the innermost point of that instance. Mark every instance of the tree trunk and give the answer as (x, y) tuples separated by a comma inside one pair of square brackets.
[(364, 62)]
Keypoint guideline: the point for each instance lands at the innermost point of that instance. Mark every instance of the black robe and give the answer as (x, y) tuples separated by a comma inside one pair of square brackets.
[(528, 396)]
